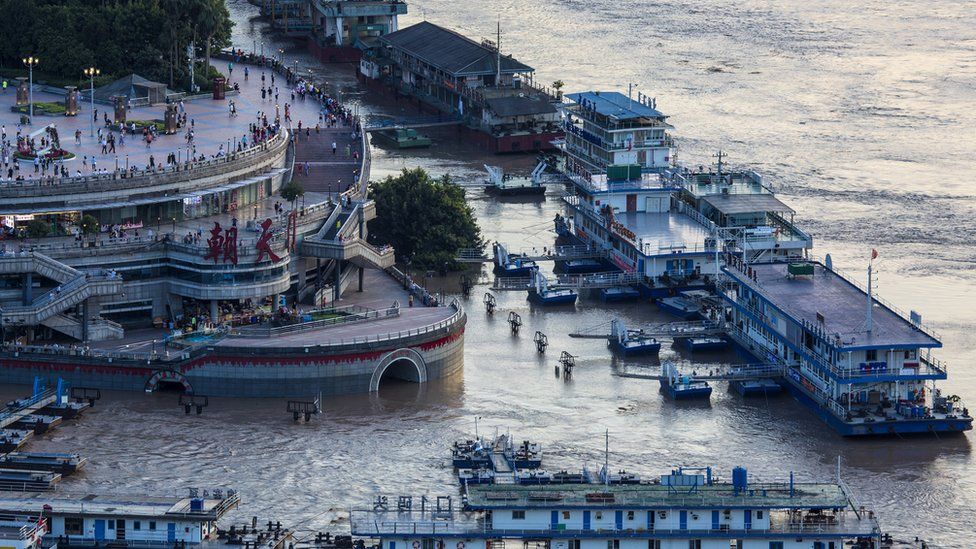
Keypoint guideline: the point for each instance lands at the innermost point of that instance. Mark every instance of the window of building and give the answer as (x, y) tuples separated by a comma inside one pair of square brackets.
[(152, 525), (111, 525), (599, 515), (518, 515), (74, 526), (136, 525), (630, 515), (776, 545), (759, 514), (565, 515), (871, 355)]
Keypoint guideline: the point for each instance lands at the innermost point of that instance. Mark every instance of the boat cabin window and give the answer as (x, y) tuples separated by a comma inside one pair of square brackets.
[(136, 525), (599, 515), (694, 544), (613, 544), (565, 515), (111, 525), (872, 355), (428, 543), (630, 515), (653, 544), (73, 526), (759, 514), (574, 544), (910, 354), (776, 545), (518, 515), (152, 525)]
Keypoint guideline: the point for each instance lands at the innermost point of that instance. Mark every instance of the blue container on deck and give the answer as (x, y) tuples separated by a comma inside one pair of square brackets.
[(196, 504), (740, 480)]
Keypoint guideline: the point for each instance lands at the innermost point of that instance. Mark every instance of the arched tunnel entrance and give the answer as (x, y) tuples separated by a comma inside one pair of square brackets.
[(402, 365)]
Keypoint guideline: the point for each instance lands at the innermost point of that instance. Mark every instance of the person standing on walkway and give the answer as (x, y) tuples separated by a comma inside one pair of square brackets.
[(334, 147)]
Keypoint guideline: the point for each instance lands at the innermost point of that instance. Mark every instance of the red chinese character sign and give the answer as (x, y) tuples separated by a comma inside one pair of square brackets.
[(222, 243), (215, 244), (264, 242)]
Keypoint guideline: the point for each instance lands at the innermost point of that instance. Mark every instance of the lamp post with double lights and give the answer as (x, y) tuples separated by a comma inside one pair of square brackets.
[(91, 73), (31, 62)]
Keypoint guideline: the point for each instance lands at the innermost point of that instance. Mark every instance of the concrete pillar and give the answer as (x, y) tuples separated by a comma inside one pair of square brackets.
[(120, 102), (219, 83), (338, 277), (85, 321), (71, 101), (361, 279), (23, 96), (28, 288), (338, 23), (169, 118), (214, 310)]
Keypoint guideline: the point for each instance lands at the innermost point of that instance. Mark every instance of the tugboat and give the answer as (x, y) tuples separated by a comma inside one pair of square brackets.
[(631, 342), (541, 294), (470, 454), (512, 265), (683, 387), (502, 184), (403, 138)]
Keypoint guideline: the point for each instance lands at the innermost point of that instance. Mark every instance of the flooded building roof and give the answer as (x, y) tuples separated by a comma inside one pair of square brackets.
[(450, 51)]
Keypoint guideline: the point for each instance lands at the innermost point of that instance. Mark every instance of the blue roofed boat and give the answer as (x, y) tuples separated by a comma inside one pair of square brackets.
[(631, 342), (625, 293), (683, 387), (680, 306)]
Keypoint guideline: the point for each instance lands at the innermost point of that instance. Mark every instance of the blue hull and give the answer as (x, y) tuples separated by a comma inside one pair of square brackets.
[(686, 394), (756, 390), (471, 481), (680, 313), (647, 349), (583, 268), (711, 346), (620, 296), (468, 463), (522, 272), (562, 299)]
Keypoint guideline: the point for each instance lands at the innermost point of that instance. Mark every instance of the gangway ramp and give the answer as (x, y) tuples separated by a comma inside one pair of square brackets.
[(25, 407), (556, 253), (716, 372), (576, 282), (695, 328)]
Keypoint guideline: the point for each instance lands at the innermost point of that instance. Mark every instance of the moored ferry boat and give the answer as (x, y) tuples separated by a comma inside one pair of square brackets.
[(857, 362), (688, 507), (680, 386)]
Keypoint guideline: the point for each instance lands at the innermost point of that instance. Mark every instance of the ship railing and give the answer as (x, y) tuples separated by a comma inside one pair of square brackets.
[(887, 304), (114, 181), (691, 212)]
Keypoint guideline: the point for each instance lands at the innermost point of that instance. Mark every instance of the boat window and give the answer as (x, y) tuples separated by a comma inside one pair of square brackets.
[(111, 525), (694, 544), (518, 515), (630, 515), (653, 544), (73, 526), (599, 515), (565, 515), (759, 514), (776, 545), (152, 525), (136, 525), (872, 355), (574, 544), (613, 544)]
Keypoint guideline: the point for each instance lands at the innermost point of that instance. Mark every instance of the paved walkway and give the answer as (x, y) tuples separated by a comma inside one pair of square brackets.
[(212, 123)]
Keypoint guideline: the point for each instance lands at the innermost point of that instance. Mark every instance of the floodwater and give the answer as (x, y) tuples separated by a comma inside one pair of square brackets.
[(860, 115)]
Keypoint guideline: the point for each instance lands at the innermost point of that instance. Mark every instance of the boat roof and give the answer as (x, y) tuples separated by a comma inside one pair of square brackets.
[(731, 204), (657, 496), (665, 233), (63, 503), (614, 105), (520, 105), (841, 304), (450, 51)]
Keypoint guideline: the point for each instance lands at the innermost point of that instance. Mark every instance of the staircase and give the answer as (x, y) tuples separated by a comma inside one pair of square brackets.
[(99, 330), (338, 239)]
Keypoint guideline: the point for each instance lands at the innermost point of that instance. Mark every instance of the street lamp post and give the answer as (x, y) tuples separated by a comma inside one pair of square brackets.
[(91, 73), (189, 58), (31, 62)]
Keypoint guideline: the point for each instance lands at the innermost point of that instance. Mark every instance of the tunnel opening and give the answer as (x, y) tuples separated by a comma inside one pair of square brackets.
[(399, 372)]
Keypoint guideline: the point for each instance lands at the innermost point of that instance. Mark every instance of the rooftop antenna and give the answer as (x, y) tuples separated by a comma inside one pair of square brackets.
[(874, 255), (630, 91), (719, 155), (498, 54)]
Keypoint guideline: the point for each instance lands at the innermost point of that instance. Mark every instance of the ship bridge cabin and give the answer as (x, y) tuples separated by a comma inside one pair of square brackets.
[(682, 510), (752, 220), (856, 361), (87, 520)]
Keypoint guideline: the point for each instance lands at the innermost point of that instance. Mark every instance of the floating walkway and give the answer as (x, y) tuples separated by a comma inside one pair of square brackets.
[(578, 282), (720, 372), (668, 329), (556, 253)]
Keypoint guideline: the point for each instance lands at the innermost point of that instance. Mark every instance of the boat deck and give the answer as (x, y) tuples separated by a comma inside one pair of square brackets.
[(665, 233), (840, 303)]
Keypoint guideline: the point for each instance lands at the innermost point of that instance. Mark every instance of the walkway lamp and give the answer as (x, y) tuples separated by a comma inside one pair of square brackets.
[(31, 62), (91, 73)]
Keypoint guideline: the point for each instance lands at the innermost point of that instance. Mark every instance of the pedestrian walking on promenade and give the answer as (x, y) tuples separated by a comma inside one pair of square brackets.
[(334, 147)]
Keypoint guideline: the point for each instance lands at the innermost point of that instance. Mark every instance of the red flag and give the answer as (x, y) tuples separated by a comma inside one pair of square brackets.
[(874, 253)]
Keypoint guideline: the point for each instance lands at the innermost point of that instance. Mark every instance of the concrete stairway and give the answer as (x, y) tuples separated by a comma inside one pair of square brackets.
[(99, 330)]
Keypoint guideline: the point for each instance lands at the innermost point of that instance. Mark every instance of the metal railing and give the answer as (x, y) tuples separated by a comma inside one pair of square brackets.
[(345, 315)]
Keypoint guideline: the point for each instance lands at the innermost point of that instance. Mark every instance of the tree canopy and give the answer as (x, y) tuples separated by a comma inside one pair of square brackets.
[(426, 219), (118, 37)]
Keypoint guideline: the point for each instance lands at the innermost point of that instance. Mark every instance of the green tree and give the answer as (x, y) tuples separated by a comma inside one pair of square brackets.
[(38, 229), (89, 225), (292, 191), (425, 219)]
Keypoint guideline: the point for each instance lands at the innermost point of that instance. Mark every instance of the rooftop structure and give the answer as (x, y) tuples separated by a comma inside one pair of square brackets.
[(452, 53)]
